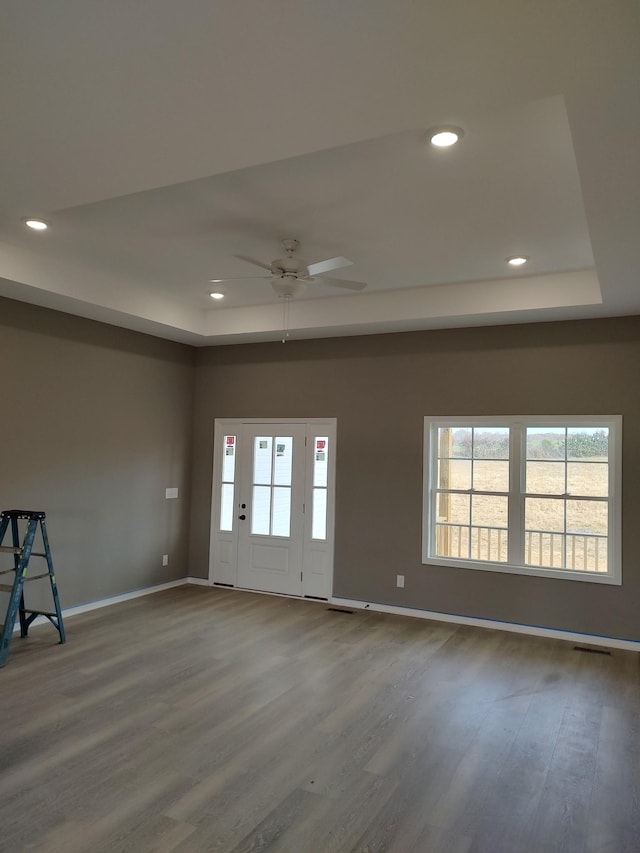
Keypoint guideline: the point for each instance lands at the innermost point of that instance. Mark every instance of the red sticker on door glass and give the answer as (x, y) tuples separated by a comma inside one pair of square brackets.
[(231, 439), (320, 443)]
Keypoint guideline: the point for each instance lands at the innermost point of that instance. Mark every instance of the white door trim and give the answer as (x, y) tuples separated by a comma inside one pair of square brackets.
[(318, 556)]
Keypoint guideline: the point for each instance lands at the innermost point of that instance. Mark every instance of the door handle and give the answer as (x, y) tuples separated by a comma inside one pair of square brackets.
[(242, 517)]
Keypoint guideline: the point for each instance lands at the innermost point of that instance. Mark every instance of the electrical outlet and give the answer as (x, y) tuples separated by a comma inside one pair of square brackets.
[(400, 581), (165, 559), (171, 492)]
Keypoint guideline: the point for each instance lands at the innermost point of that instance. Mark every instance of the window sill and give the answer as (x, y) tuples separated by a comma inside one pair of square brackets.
[(504, 568)]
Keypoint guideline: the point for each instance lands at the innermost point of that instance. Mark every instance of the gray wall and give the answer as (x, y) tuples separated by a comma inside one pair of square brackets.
[(96, 422), (380, 388)]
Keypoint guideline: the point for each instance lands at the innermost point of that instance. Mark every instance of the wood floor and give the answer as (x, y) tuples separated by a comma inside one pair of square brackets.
[(213, 720)]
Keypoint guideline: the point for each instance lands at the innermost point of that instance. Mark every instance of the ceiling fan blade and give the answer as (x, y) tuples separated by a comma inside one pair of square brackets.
[(344, 283), (254, 262), (328, 265), (239, 278)]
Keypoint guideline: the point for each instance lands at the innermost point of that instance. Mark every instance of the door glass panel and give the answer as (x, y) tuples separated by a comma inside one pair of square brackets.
[(229, 459), (320, 460), (283, 461), (226, 507), (320, 480), (272, 480), (262, 459), (319, 516), (281, 523), (261, 510), (228, 478)]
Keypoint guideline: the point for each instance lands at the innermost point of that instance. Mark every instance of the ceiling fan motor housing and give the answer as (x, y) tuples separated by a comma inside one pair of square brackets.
[(293, 266)]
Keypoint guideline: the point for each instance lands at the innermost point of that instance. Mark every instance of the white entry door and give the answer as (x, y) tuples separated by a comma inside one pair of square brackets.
[(272, 509)]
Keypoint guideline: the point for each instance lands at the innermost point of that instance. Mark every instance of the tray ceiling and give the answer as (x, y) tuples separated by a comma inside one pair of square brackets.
[(160, 149)]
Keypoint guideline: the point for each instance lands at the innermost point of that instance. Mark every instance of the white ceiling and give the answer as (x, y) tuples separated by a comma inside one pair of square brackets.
[(162, 139)]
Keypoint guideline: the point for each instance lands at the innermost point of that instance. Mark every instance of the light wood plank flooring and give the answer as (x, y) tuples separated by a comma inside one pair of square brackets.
[(214, 720)]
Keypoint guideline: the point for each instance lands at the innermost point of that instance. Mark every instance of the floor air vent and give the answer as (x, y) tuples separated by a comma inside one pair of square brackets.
[(592, 651)]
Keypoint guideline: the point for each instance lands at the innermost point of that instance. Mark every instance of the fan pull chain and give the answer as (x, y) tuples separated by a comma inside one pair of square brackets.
[(285, 318)]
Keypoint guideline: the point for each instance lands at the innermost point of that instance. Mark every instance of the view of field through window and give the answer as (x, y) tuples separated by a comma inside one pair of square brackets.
[(565, 490)]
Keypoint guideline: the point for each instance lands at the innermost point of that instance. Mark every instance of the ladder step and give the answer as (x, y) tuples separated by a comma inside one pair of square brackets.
[(41, 613), (6, 571), (30, 514), (6, 587), (5, 549), (36, 577)]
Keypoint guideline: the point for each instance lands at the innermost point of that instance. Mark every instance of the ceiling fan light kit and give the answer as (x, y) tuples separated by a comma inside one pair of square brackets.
[(287, 286)]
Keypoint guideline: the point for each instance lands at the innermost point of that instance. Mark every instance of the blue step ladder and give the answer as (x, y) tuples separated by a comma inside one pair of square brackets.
[(22, 553)]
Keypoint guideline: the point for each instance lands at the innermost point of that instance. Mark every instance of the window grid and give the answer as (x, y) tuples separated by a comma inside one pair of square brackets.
[(477, 541), (271, 486), (584, 543), (568, 546)]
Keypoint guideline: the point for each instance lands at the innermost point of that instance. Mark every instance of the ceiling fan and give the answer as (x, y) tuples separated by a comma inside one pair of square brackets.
[(288, 275)]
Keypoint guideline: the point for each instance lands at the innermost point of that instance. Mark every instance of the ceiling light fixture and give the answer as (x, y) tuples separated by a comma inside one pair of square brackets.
[(443, 137), (35, 224), (216, 295), (517, 260)]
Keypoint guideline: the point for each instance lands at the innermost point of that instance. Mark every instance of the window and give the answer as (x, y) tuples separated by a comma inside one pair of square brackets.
[(527, 495)]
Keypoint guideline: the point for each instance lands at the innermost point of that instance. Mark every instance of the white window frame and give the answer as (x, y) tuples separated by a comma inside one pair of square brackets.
[(517, 464)]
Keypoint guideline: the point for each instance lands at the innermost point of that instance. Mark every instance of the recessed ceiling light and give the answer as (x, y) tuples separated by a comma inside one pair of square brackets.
[(517, 260), (443, 137), (216, 295), (36, 224)]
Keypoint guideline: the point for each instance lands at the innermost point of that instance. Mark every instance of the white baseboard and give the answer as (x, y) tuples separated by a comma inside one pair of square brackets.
[(114, 599), (513, 627), (118, 599)]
